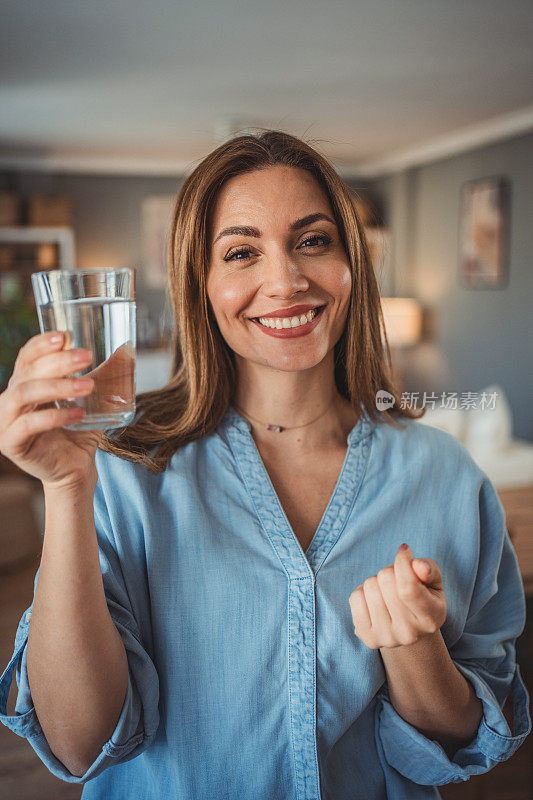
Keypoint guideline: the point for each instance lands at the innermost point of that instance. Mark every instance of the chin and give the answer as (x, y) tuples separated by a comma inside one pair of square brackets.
[(293, 363)]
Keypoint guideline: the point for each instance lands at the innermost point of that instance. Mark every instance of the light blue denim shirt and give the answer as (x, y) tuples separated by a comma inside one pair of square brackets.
[(246, 679)]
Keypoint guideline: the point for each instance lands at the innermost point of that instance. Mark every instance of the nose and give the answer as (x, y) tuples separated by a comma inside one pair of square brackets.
[(282, 276)]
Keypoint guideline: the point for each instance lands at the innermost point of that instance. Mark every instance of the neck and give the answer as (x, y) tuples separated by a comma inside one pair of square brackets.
[(306, 404)]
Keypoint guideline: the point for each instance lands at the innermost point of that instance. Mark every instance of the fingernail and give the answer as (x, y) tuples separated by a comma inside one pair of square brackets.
[(423, 560), (56, 338), (403, 546)]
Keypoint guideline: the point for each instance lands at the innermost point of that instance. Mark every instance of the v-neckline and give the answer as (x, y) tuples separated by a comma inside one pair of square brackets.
[(296, 562)]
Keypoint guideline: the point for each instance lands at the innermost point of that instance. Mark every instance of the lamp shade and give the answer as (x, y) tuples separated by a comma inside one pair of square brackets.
[(403, 320)]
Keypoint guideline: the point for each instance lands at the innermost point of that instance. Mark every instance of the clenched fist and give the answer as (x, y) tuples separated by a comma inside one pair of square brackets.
[(402, 603)]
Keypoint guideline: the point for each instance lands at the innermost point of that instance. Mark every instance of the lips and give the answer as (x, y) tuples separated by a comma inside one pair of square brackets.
[(294, 311), (291, 333)]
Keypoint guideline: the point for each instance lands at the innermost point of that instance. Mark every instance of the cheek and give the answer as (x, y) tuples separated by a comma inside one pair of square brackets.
[(339, 282), (345, 280), (228, 297)]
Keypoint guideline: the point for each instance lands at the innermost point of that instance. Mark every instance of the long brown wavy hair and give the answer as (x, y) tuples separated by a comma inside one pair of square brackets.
[(203, 375)]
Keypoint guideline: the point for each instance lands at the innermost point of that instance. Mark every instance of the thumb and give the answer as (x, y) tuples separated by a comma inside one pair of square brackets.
[(428, 572)]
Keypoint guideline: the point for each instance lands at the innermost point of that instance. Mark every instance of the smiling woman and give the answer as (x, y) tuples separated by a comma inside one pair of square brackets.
[(243, 586)]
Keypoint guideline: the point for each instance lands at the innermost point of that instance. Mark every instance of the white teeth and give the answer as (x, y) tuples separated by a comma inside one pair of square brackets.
[(288, 322)]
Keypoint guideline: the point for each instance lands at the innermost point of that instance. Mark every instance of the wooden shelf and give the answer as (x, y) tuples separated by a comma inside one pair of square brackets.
[(62, 236), (518, 504)]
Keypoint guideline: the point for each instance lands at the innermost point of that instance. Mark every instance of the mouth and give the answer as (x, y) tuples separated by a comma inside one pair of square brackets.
[(287, 327)]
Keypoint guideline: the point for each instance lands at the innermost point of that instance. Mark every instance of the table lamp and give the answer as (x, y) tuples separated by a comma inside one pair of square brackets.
[(402, 317)]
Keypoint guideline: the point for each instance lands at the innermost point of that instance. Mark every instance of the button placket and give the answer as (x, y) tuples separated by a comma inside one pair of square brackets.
[(300, 569), (302, 687)]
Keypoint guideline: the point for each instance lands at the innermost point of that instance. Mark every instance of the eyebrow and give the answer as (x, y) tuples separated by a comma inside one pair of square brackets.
[(246, 230)]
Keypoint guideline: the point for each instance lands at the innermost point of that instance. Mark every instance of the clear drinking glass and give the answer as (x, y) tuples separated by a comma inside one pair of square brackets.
[(96, 310)]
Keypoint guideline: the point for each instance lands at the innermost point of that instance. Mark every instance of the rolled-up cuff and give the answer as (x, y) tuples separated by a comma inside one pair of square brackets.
[(494, 738), (424, 761), (127, 740)]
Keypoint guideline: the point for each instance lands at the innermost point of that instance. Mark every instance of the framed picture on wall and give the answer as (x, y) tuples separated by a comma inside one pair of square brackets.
[(484, 233)]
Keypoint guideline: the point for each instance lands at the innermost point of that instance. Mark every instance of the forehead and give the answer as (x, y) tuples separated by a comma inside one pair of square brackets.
[(275, 192)]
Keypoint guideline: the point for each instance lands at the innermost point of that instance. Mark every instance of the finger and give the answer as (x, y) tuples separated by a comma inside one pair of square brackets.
[(404, 622), (38, 346), (428, 571), (19, 436), (408, 585), (379, 614), (411, 590), (29, 394), (57, 365), (360, 615), (387, 586)]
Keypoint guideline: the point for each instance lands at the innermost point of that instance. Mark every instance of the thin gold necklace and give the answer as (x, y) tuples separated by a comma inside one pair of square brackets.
[(278, 428)]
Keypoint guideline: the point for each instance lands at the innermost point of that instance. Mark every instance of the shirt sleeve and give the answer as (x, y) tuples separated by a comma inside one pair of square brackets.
[(485, 655), (139, 717)]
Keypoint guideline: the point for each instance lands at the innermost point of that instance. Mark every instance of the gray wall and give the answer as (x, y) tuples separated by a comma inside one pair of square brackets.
[(479, 336)]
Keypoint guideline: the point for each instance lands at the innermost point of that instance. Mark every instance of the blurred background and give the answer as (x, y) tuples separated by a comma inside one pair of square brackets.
[(426, 111)]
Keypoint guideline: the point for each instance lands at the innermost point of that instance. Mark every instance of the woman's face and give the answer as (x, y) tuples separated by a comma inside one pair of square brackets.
[(276, 260)]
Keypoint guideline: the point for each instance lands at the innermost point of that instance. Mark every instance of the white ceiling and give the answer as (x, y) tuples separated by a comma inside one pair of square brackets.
[(154, 86)]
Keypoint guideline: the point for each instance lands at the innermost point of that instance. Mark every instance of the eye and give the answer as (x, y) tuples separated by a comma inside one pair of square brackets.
[(324, 238), (244, 250), (231, 256)]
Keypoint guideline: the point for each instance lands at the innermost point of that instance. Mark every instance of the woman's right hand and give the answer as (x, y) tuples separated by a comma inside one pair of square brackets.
[(31, 427)]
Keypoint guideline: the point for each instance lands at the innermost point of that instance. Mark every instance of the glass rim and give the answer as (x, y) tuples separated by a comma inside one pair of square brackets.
[(88, 271)]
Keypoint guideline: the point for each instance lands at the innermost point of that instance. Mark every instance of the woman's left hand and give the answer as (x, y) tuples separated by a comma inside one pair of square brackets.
[(402, 603)]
